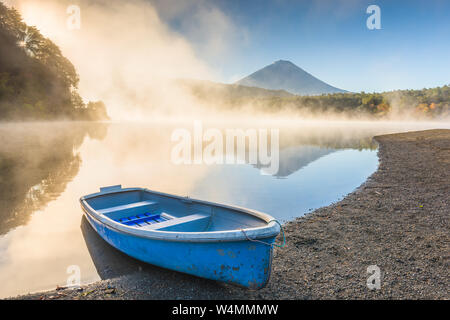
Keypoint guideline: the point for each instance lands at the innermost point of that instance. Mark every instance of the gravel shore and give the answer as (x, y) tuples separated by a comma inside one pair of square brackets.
[(398, 220)]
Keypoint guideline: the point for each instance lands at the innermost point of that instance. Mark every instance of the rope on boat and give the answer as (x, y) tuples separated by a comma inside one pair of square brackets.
[(269, 244)]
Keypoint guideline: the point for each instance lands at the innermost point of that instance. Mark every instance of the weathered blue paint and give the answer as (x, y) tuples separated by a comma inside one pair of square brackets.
[(195, 237)]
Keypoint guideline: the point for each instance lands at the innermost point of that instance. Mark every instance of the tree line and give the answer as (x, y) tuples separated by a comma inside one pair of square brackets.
[(431, 103), (36, 80)]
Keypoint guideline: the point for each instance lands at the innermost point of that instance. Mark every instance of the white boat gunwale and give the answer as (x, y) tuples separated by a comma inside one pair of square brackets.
[(257, 233)]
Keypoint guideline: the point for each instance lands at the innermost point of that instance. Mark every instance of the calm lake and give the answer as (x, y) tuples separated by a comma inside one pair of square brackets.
[(46, 167)]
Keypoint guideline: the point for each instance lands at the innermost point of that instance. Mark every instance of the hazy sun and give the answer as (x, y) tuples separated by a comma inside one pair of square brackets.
[(47, 17)]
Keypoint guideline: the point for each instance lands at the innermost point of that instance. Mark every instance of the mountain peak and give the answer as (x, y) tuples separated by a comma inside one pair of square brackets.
[(285, 75), (284, 62)]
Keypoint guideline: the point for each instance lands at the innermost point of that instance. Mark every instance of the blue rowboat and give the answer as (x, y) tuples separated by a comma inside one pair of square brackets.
[(205, 239)]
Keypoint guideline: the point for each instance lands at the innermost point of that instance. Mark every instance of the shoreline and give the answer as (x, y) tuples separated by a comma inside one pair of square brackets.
[(396, 220)]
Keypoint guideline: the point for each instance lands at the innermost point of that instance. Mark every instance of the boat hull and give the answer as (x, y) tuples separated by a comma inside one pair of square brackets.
[(244, 262)]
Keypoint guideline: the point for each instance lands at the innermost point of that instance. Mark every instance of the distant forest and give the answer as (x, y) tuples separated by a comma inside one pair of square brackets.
[(36, 81), (426, 103), (417, 104)]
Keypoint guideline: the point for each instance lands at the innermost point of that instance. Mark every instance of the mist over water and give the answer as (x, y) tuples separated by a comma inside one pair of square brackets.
[(125, 55)]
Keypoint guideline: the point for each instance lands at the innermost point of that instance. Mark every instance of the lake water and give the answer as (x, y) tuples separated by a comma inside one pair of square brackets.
[(46, 167)]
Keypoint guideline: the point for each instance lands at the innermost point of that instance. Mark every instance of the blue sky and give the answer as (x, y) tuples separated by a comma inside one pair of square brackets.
[(329, 39)]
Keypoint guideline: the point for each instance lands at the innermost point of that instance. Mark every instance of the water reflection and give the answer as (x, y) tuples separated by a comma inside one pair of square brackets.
[(46, 167), (36, 163)]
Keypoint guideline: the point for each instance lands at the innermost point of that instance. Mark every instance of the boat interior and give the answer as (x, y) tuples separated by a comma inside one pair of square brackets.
[(153, 211)]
